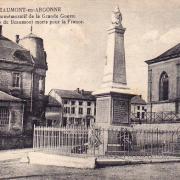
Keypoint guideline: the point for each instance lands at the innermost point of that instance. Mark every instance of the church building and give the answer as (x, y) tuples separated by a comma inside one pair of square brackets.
[(164, 82)]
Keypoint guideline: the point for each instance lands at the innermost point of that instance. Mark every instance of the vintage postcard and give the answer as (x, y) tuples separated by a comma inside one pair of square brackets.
[(90, 89)]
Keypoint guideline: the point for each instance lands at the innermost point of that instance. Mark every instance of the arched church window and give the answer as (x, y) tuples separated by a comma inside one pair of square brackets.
[(163, 87)]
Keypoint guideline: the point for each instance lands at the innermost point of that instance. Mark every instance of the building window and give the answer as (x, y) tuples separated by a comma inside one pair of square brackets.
[(163, 87), (71, 121), (72, 103), (138, 107), (16, 80), (138, 114), (142, 115), (80, 103), (66, 110), (78, 121), (65, 101), (88, 103), (64, 122), (88, 111), (4, 116), (73, 110), (143, 108), (80, 110)]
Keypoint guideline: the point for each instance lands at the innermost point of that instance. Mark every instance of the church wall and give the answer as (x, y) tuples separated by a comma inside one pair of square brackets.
[(178, 80), (162, 107), (170, 68), (178, 109)]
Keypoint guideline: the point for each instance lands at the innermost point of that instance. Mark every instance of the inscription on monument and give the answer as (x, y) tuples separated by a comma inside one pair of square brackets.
[(103, 110), (120, 111)]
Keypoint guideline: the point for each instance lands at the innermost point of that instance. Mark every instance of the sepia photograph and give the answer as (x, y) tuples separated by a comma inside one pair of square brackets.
[(90, 89)]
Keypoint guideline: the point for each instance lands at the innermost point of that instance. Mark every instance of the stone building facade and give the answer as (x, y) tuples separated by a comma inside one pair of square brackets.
[(54, 110), (138, 109), (164, 82), (22, 83), (77, 107), (11, 114)]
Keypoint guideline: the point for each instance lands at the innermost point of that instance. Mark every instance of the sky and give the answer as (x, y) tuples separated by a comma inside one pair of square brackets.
[(76, 53)]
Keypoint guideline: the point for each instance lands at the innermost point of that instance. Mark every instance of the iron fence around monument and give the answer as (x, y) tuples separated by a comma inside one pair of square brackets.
[(119, 141), (65, 140), (155, 117), (130, 142)]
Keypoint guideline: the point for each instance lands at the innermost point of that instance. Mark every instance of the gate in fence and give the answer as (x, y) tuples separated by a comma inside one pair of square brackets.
[(105, 142)]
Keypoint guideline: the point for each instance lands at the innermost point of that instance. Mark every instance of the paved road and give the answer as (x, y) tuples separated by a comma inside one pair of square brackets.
[(15, 170)]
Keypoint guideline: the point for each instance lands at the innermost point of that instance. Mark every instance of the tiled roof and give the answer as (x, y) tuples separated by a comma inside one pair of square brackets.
[(53, 102), (5, 42), (6, 97), (74, 94), (10, 51), (138, 100), (173, 52)]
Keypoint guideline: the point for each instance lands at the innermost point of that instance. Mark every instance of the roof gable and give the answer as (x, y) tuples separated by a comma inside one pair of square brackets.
[(74, 94), (138, 100), (5, 42), (6, 97), (53, 102), (173, 52)]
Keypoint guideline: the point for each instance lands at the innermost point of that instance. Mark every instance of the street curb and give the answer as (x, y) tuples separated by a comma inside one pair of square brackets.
[(60, 160), (121, 162)]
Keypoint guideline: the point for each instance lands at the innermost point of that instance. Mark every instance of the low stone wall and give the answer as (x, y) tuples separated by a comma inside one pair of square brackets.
[(162, 126)]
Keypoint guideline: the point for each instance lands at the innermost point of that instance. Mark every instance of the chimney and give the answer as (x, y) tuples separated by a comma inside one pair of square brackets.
[(82, 91), (0, 30), (78, 90), (17, 38)]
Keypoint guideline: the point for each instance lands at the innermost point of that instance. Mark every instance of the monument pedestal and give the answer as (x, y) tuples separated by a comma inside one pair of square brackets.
[(112, 111), (113, 107)]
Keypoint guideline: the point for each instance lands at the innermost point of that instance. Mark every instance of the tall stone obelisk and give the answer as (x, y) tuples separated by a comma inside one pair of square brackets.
[(113, 98)]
